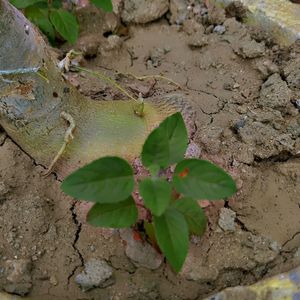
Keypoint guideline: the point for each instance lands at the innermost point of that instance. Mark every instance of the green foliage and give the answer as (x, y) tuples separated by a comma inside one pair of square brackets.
[(193, 213), (106, 5), (52, 18), (113, 215), (173, 210), (25, 3), (106, 180), (201, 179), (39, 16), (172, 235), (166, 144), (156, 194), (65, 23)]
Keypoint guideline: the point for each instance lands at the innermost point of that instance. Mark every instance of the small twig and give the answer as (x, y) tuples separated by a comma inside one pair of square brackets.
[(139, 110), (43, 76), (108, 79), (67, 139), (154, 76), (65, 64)]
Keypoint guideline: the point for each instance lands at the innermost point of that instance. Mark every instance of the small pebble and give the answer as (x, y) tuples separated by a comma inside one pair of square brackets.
[(53, 280), (3, 188), (275, 246), (226, 219), (228, 86), (96, 273), (297, 253), (18, 276), (193, 150), (219, 29), (209, 29), (240, 124)]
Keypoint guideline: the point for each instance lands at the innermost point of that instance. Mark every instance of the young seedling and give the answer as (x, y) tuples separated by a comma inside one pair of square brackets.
[(172, 204)]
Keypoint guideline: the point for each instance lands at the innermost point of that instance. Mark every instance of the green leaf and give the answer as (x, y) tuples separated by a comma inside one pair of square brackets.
[(166, 144), (65, 23), (106, 5), (106, 180), (39, 17), (47, 28), (172, 235), (25, 3), (200, 179), (156, 194), (154, 170), (149, 229), (113, 215), (193, 214), (56, 3)]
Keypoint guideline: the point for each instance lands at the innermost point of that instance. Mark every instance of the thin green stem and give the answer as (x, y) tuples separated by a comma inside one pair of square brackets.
[(108, 79)]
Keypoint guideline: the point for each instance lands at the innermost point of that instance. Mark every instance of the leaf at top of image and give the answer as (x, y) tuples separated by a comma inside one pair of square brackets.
[(106, 5), (57, 3), (166, 144), (25, 3), (66, 24), (39, 16)]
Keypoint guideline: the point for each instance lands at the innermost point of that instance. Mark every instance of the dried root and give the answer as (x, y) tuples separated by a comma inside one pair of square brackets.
[(67, 139)]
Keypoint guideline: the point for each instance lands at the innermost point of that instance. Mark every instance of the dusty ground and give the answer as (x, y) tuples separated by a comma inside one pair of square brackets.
[(244, 94)]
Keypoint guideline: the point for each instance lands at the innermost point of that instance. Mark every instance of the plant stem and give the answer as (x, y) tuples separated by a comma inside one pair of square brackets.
[(108, 79)]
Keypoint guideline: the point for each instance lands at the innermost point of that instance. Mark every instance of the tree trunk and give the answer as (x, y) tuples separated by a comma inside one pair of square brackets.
[(31, 104)]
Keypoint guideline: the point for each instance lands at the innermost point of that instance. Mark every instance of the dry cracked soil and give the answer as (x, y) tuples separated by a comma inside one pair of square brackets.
[(242, 91)]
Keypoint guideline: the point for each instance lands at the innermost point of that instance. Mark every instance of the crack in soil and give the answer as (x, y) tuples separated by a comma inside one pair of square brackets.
[(119, 268), (74, 244), (4, 139), (221, 107), (200, 90), (289, 240), (269, 267), (132, 57), (241, 224), (281, 157), (32, 159)]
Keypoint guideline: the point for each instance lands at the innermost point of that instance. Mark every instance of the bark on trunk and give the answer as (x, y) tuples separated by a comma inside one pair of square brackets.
[(30, 106)]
